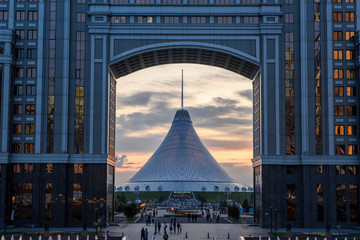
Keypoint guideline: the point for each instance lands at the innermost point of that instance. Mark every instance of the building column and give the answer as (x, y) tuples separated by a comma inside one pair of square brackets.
[(5, 107), (3, 190)]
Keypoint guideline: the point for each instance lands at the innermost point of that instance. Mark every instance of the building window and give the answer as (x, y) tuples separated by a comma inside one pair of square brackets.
[(78, 168), (19, 72), (291, 202), (224, 2), (337, 1), (198, 2), (171, 20), (19, 53), (17, 128), (320, 202), (31, 72), (340, 169), (350, 35), (29, 128), (118, 19), (30, 90), (80, 17), (337, 16), (339, 130), (16, 148), (339, 110), (350, 73), (198, 20), (49, 168), (353, 169), (340, 202), (349, 1), (350, 54), (351, 110), (319, 169), (16, 168), (350, 16), (20, 15), (32, 35), (289, 17), (338, 54), (145, 19), (4, 15), (30, 109), (251, 20), (171, 1), (15, 199), (351, 91), (32, 15), (27, 201), (289, 1), (351, 130), (28, 168), (145, 1), (80, 1), (352, 149), (29, 148), (77, 201), (340, 149), (17, 109), (48, 200), (338, 35), (224, 20), (20, 34), (338, 91), (338, 73), (354, 202)]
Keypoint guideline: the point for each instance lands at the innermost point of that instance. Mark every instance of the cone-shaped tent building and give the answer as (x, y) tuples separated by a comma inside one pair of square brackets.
[(181, 163)]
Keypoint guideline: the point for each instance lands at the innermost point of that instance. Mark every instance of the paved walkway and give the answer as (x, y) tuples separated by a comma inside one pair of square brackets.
[(193, 230)]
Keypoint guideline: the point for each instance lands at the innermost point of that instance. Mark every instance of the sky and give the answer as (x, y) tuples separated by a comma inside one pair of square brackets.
[(219, 103)]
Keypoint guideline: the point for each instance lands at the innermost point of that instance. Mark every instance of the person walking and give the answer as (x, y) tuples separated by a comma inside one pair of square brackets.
[(159, 226), (146, 234), (165, 237), (155, 226), (178, 227), (154, 236), (165, 226), (142, 234)]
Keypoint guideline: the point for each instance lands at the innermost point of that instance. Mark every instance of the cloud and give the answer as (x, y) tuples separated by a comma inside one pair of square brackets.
[(246, 93), (228, 145), (141, 98), (243, 174), (121, 161)]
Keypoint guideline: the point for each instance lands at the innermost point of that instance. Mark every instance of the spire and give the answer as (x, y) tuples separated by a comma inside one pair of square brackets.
[(182, 89)]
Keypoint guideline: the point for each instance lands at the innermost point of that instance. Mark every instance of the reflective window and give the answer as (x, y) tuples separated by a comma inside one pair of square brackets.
[(29, 128), (354, 202), (338, 35), (49, 168), (351, 130), (339, 130), (174, 19), (251, 20), (48, 200), (17, 128), (353, 169), (16, 148), (32, 15), (29, 148), (350, 54), (350, 16), (18, 90), (224, 20), (339, 110), (20, 15), (17, 109), (77, 201), (118, 19), (20, 34), (340, 149), (337, 16), (320, 202), (352, 149), (349, 35), (291, 202), (338, 54), (145, 19), (78, 168), (338, 91), (27, 201), (289, 17), (30, 109), (28, 168), (340, 203), (30, 90), (351, 110), (80, 17), (224, 2), (289, 2), (198, 20), (31, 72), (32, 35), (351, 91), (19, 72), (338, 73), (198, 2), (319, 169), (172, 1), (4, 15), (144, 1)]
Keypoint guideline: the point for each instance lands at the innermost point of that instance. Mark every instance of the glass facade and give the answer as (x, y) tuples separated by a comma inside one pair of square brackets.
[(48, 200), (290, 93), (27, 201), (320, 202), (317, 76), (291, 202), (340, 202), (354, 202), (51, 81), (79, 93), (77, 201)]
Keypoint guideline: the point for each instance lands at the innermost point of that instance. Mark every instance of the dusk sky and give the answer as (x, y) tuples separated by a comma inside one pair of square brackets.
[(219, 103)]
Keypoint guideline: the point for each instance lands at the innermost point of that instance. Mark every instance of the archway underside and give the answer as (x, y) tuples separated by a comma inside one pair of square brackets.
[(184, 55)]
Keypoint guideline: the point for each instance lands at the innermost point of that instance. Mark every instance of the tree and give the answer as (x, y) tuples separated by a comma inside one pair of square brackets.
[(246, 205), (233, 212), (130, 210), (122, 198)]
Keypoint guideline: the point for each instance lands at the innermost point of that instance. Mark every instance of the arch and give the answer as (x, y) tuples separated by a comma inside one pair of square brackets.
[(203, 189), (127, 188), (185, 52), (236, 189), (147, 188), (216, 188)]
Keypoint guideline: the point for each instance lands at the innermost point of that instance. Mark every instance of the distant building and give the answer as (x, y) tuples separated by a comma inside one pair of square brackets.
[(182, 163)]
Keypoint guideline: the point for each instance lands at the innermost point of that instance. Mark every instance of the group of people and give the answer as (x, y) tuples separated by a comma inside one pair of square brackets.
[(192, 216), (173, 226)]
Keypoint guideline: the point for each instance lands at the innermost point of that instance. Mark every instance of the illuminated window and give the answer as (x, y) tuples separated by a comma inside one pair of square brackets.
[(338, 35), (30, 109), (337, 16), (29, 148), (338, 74), (351, 110), (351, 91), (339, 130), (118, 19), (350, 54), (350, 16), (145, 19), (352, 149), (28, 168), (17, 128), (350, 73), (349, 35), (340, 169), (319, 169), (351, 130), (77, 201), (338, 54), (16, 148), (337, 1), (29, 128), (339, 110), (349, 1), (49, 168), (338, 91), (15, 199), (16, 168), (291, 202), (353, 169), (340, 149), (78, 168)]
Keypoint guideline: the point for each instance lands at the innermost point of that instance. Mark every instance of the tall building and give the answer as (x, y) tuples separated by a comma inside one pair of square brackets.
[(59, 61)]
